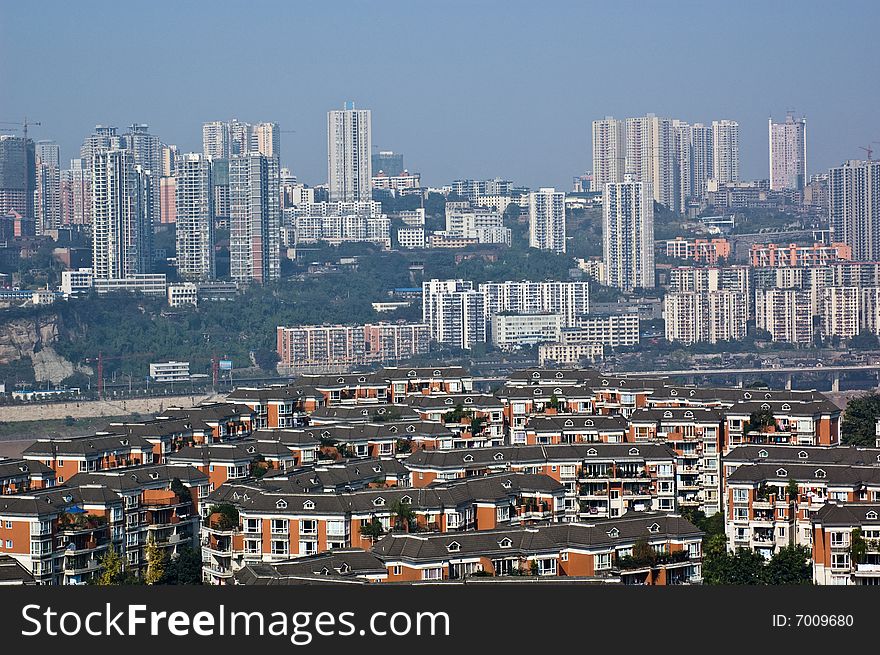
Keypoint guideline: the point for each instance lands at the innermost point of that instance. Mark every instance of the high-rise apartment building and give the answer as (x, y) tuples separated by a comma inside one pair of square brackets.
[(146, 149), (255, 219), (547, 219), (48, 153), (788, 153), (705, 316), (349, 165), (215, 140), (567, 299), (682, 136), (455, 312), (266, 140), (76, 195), (17, 175), (628, 235), (785, 313), (194, 217), (854, 207), (609, 152), (701, 159), (650, 157), (121, 229), (725, 150)]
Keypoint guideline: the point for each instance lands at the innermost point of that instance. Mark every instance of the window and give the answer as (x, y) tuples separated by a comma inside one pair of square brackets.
[(433, 573), (840, 560), (740, 495), (9, 543), (280, 547), (694, 550), (839, 539), (547, 566), (503, 513), (251, 546), (9, 525), (252, 525), (308, 547), (279, 526), (395, 570), (603, 561), (309, 527), (564, 556), (740, 514), (335, 528)]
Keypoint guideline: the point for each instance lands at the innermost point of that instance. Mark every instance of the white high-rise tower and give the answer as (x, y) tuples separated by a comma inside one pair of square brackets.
[(349, 143)]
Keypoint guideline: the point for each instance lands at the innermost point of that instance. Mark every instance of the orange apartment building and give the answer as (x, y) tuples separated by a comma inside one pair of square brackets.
[(567, 429), (598, 549), (20, 476), (846, 544), (277, 406), (69, 456), (274, 524), (708, 251), (792, 255)]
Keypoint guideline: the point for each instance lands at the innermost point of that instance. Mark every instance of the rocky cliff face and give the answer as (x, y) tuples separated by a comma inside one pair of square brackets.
[(33, 338)]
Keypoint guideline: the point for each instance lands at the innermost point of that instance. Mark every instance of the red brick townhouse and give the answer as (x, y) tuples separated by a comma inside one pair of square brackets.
[(219, 462), (221, 421), (771, 505), (60, 534), (152, 510), (846, 544), (458, 412), (599, 549), (274, 524), (600, 479), (303, 448), (166, 435), (344, 565), (348, 414), (575, 428), (696, 435), (21, 475), (348, 388), (808, 423), (97, 452), (377, 439), (277, 406), (403, 382)]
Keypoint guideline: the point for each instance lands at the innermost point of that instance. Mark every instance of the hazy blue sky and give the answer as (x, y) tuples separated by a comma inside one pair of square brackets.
[(463, 89)]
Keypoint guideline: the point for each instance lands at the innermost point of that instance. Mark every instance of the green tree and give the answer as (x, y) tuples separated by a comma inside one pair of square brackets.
[(185, 568), (111, 569), (763, 418), (642, 553), (157, 562), (864, 340), (404, 516), (858, 546), (266, 359), (744, 567), (791, 565), (373, 529), (859, 420)]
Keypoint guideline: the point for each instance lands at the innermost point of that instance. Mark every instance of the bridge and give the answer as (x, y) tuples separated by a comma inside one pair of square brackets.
[(833, 370)]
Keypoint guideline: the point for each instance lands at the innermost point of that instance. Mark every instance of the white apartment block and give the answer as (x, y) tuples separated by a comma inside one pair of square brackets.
[(702, 159), (650, 157), (456, 313), (167, 372), (854, 201), (122, 232), (149, 284), (512, 330), (628, 235), (255, 219), (788, 153), (785, 313), (194, 217), (412, 217), (716, 278), (840, 311), (682, 136), (705, 316), (725, 148), (609, 152), (186, 293), (349, 161), (562, 354), (568, 299), (612, 330), (547, 220), (411, 238), (484, 225), (501, 203), (336, 229), (78, 281)]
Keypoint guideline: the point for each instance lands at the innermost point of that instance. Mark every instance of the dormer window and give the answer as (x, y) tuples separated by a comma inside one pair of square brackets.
[(559, 375), (410, 428), (557, 391), (345, 568), (362, 379), (604, 383), (747, 395), (309, 504), (871, 516), (667, 414), (569, 423), (654, 528), (765, 406), (505, 543), (154, 475), (468, 401), (281, 504), (692, 392), (498, 457), (781, 473), (536, 375), (613, 533), (633, 451), (407, 500), (674, 392), (468, 458), (448, 401), (365, 412), (325, 571), (820, 473), (379, 502), (453, 547), (592, 452), (435, 373), (251, 449), (786, 407), (688, 414), (537, 392), (410, 374), (340, 380), (235, 495), (768, 396), (763, 453), (507, 484), (589, 423), (393, 428), (803, 454), (377, 469)]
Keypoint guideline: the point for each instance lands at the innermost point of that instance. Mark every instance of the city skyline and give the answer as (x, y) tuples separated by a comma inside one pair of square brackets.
[(429, 127)]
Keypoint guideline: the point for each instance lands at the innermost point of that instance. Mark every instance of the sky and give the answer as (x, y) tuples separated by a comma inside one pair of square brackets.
[(474, 89)]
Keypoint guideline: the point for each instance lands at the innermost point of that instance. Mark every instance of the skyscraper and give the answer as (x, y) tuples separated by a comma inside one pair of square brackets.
[(628, 234), (725, 148), (547, 219), (146, 149), (650, 157), (854, 207), (76, 195), (215, 140), (194, 217), (266, 140), (682, 136), (702, 159), (121, 229), (255, 219), (47, 196), (788, 154), (17, 175), (609, 152), (349, 142)]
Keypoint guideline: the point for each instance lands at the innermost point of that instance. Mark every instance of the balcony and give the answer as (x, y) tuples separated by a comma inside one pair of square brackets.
[(81, 567)]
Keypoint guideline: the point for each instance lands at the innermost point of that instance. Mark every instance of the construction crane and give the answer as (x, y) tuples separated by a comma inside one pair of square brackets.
[(100, 372), (24, 125), (868, 149)]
